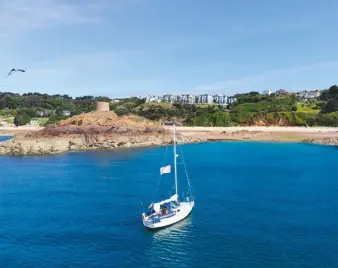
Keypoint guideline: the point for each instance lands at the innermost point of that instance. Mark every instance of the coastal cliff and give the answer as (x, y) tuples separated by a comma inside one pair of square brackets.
[(96, 130), (106, 130)]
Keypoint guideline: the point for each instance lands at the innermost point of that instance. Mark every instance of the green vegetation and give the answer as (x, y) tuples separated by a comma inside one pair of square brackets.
[(47, 108), (311, 108), (250, 109), (22, 119), (122, 110), (54, 119)]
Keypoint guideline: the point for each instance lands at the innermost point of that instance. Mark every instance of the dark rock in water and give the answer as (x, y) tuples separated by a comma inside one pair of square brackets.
[(324, 141)]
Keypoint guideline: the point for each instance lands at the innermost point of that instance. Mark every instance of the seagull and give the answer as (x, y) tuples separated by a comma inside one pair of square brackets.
[(15, 70)]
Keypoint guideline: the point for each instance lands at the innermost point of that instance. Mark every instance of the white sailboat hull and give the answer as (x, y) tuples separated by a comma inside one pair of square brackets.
[(181, 212)]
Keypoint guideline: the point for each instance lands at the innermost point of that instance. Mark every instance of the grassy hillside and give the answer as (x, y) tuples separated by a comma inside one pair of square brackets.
[(308, 108), (250, 109)]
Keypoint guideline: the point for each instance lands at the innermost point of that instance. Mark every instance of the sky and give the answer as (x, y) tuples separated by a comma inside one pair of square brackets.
[(121, 48)]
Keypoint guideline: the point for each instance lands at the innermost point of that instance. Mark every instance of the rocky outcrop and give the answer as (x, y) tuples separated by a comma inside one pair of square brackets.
[(324, 141), (97, 130)]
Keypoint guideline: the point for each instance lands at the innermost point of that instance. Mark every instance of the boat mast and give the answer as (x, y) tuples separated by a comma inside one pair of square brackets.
[(175, 156)]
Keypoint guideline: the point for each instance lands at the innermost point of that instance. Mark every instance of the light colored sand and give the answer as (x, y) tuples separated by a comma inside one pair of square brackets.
[(11, 131), (261, 129), (289, 134)]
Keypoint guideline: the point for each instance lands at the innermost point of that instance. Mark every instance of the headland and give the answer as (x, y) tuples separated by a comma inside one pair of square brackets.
[(106, 130)]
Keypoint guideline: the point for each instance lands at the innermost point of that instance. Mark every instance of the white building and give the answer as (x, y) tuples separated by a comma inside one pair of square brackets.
[(308, 94), (216, 98), (220, 99), (175, 98), (231, 100), (166, 98), (171, 98), (267, 92), (188, 99), (153, 98), (66, 113), (205, 99)]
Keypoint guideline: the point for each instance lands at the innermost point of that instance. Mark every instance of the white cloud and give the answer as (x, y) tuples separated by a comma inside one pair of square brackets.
[(17, 16), (20, 15)]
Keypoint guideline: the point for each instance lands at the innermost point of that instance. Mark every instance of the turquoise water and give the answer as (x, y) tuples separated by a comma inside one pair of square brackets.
[(5, 138), (257, 205)]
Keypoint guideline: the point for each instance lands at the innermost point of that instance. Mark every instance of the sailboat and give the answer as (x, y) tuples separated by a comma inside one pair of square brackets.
[(172, 210)]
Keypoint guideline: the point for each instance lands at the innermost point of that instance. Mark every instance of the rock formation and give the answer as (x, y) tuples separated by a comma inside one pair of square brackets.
[(95, 130), (324, 141)]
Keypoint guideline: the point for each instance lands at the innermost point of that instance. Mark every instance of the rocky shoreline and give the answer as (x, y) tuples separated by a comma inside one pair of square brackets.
[(31, 145), (97, 130), (45, 146), (105, 130), (324, 141)]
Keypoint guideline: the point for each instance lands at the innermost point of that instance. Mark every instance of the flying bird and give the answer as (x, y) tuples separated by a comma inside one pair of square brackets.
[(15, 70)]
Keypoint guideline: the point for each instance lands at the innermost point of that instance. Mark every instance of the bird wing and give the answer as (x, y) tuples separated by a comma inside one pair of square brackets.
[(10, 72)]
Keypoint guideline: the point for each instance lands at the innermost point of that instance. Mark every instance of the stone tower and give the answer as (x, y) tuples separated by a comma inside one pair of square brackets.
[(102, 106)]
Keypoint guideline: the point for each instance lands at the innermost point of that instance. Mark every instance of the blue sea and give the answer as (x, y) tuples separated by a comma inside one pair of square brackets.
[(257, 205)]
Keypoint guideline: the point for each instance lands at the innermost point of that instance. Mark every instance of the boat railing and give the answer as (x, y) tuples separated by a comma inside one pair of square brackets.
[(168, 215)]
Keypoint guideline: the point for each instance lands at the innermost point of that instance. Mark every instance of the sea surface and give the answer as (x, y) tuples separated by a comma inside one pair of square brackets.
[(257, 205), (5, 138)]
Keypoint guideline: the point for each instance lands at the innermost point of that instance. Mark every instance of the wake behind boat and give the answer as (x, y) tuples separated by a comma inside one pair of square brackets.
[(169, 211)]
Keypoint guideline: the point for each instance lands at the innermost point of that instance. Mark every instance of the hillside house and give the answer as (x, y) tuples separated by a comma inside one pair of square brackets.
[(282, 92), (205, 99)]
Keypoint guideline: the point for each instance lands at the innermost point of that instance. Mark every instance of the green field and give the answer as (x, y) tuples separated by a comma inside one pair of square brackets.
[(307, 108)]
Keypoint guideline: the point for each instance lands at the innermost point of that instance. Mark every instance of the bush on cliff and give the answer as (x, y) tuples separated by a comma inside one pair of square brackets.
[(121, 110), (54, 119), (22, 119)]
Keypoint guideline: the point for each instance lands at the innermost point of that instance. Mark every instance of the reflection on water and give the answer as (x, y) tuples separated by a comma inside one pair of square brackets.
[(169, 245), (175, 231)]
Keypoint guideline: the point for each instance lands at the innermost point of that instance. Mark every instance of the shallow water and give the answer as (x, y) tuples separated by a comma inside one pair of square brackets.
[(257, 205), (5, 138)]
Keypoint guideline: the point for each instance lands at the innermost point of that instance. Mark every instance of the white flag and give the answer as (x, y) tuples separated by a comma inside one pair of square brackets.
[(165, 170)]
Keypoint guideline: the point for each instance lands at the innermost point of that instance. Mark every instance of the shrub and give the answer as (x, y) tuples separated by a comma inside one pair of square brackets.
[(22, 119), (121, 110), (331, 106)]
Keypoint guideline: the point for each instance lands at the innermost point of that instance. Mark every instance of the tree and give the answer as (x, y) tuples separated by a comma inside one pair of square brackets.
[(333, 92), (22, 119), (59, 112), (324, 95), (129, 105), (33, 101), (54, 119), (253, 93), (102, 98), (31, 112), (121, 110), (222, 119), (331, 106)]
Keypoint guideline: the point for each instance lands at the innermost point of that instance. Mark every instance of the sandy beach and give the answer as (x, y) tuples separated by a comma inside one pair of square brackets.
[(70, 136), (11, 131), (259, 133), (226, 133)]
